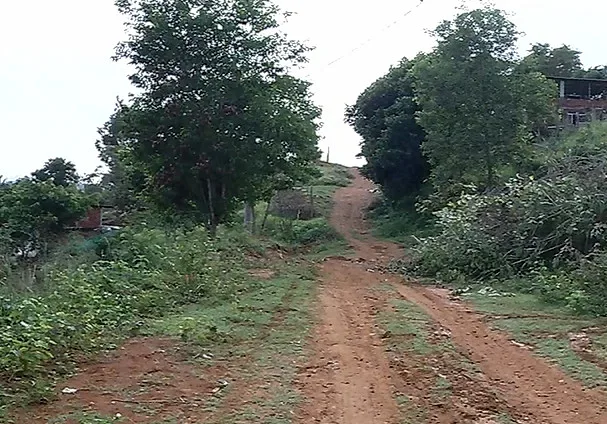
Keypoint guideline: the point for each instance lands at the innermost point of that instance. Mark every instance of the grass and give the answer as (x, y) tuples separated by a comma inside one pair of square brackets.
[(266, 327), (406, 326), (547, 328), (407, 332), (438, 376), (275, 354), (86, 418), (505, 419), (400, 223), (332, 174)]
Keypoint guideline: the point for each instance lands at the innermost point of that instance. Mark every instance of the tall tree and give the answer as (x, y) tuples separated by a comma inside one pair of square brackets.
[(597, 72), (123, 182), (554, 62), (59, 171), (470, 95), (218, 113), (385, 117)]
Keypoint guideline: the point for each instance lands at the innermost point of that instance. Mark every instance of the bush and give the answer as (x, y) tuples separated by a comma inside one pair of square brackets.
[(301, 233), (148, 272), (550, 230), (401, 221), (583, 290), (550, 221)]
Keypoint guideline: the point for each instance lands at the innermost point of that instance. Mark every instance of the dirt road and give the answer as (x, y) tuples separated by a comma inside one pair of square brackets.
[(352, 379)]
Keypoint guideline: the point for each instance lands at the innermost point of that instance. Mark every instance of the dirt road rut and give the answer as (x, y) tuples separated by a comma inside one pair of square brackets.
[(353, 380)]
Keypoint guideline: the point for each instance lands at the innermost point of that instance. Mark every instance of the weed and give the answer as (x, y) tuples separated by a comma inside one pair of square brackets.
[(146, 273), (406, 322), (86, 418), (401, 223), (505, 419)]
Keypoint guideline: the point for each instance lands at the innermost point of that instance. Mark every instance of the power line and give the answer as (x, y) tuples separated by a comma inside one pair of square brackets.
[(369, 40)]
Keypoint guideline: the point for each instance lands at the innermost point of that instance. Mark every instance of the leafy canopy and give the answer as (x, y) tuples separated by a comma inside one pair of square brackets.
[(31, 211), (218, 114), (384, 115), (476, 109), (59, 171)]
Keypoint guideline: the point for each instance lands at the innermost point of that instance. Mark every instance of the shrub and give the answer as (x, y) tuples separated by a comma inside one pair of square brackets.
[(147, 273), (301, 233), (550, 230)]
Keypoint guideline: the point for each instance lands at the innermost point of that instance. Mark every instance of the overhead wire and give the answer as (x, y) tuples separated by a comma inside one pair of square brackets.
[(372, 38)]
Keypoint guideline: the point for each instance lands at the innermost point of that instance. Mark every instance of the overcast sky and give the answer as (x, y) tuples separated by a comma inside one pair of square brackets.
[(58, 83)]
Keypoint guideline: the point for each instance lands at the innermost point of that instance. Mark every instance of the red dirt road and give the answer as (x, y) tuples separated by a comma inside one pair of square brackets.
[(351, 379)]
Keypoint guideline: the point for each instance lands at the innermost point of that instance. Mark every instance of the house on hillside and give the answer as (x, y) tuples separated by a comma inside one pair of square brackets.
[(581, 100)]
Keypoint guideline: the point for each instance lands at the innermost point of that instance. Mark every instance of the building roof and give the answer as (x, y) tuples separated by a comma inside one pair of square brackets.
[(577, 79)]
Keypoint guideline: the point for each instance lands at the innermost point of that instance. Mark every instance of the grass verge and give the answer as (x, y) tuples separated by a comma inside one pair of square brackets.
[(437, 382), (255, 342), (575, 343)]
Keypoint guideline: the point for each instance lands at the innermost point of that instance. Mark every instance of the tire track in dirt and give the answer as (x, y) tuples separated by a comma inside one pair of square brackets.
[(350, 380), (527, 382)]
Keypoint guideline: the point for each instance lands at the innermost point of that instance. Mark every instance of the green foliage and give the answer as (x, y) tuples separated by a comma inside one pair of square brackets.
[(302, 233), (31, 211), (597, 72), (219, 119), (58, 171), (554, 62), (147, 273), (332, 174), (401, 222), (384, 115), (550, 229), (559, 62), (480, 113)]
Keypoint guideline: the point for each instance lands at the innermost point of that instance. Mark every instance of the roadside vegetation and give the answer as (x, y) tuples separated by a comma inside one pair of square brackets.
[(162, 281), (489, 195), (477, 179), (196, 252)]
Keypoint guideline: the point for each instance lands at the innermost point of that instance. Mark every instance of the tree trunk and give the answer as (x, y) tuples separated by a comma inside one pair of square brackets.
[(265, 214), (249, 217), (489, 164), (212, 216), (312, 211)]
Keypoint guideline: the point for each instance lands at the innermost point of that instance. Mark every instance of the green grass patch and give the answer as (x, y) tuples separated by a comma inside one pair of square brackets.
[(332, 174), (406, 327), (275, 353), (407, 332), (86, 418), (560, 352), (514, 304), (505, 419), (547, 328)]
